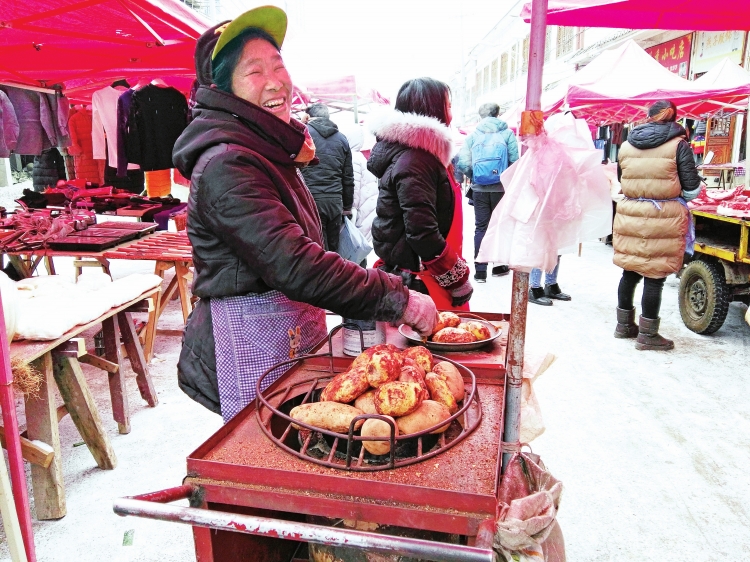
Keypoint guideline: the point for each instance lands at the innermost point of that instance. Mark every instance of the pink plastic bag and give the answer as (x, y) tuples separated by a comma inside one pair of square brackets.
[(556, 195)]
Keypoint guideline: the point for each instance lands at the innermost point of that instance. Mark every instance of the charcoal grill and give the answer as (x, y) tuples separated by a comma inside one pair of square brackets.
[(252, 499)]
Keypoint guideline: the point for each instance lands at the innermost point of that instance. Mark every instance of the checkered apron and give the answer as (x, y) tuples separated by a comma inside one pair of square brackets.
[(254, 332)]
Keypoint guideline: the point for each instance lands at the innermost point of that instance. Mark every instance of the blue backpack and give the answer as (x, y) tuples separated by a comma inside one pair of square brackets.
[(489, 158)]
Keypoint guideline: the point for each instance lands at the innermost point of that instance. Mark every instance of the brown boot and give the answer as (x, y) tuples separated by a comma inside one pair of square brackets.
[(649, 338), (626, 326)]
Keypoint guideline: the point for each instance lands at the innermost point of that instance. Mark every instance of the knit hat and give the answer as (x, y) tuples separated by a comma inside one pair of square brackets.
[(204, 48)]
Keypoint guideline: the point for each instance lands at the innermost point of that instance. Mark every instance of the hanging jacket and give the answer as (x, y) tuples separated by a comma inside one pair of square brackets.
[(486, 126), (254, 227), (415, 201), (81, 147), (157, 117), (656, 167), (49, 167), (34, 121), (332, 176), (9, 128), (59, 108), (365, 185)]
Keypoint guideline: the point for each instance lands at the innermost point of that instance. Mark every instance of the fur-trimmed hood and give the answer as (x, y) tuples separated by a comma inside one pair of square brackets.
[(413, 131)]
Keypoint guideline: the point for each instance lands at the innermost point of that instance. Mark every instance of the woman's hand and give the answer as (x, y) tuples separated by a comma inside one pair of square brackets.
[(420, 314)]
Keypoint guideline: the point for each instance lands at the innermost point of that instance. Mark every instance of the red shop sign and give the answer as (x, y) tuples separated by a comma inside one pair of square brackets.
[(674, 54)]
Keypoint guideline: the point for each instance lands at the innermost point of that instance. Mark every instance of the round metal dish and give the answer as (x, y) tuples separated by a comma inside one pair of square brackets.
[(413, 337)]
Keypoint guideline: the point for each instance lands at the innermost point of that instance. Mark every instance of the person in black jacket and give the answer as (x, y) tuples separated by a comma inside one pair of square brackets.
[(419, 223), (331, 182), (261, 272)]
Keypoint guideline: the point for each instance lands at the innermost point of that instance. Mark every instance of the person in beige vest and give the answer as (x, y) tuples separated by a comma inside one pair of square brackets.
[(652, 224)]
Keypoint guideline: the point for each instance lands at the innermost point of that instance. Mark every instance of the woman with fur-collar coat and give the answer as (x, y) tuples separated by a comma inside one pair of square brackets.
[(417, 232)]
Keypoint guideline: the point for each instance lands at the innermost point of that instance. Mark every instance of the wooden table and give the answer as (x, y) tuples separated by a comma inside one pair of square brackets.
[(59, 363), (726, 172), (169, 250)]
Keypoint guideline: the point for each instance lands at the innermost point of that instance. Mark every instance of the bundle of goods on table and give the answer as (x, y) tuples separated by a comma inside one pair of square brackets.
[(408, 389), (725, 202)]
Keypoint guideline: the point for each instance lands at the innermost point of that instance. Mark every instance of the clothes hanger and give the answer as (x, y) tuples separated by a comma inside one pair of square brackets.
[(143, 82), (121, 82), (159, 82)]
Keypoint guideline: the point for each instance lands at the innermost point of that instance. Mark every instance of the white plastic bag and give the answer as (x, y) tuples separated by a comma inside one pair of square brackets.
[(532, 424), (353, 245), (556, 195), (10, 304)]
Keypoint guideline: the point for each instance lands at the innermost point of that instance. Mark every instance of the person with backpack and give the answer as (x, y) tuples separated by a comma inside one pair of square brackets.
[(487, 153)]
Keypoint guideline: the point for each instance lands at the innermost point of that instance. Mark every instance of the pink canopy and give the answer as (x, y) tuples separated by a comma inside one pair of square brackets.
[(648, 14), (728, 82), (85, 44), (344, 94), (552, 102)]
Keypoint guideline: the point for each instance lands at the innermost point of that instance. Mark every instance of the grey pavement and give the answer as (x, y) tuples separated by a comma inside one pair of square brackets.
[(653, 447)]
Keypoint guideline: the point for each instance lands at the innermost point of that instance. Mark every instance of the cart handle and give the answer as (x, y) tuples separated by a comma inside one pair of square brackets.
[(296, 531)]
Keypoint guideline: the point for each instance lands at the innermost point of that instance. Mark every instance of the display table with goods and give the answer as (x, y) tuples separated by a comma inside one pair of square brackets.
[(56, 361), (396, 450)]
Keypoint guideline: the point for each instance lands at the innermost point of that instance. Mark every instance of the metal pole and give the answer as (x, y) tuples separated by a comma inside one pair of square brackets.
[(296, 531), (520, 296), (356, 108)]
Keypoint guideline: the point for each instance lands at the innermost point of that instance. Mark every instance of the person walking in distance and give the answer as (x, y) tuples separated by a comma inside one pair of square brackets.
[(486, 153), (652, 229), (331, 182)]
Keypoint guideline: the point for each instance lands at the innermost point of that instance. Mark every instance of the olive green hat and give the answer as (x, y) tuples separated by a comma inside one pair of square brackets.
[(270, 19)]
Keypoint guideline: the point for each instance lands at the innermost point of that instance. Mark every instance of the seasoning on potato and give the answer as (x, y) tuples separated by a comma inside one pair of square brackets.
[(449, 373), (479, 330), (398, 398), (374, 427), (421, 355), (413, 373), (440, 392), (326, 415), (384, 366), (429, 414), (345, 387)]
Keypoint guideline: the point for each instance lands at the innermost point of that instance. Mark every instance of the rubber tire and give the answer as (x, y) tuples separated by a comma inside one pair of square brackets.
[(704, 281)]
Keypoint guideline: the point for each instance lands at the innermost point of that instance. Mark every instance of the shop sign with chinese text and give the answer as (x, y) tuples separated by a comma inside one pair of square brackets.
[(710, 47), (674, 55)]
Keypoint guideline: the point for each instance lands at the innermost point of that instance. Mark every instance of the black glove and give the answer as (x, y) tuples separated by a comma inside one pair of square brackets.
[(461, 294)]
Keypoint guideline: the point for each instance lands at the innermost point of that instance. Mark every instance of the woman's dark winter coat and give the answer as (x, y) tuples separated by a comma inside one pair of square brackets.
[(254, 227), (415, 201), (49, 167)]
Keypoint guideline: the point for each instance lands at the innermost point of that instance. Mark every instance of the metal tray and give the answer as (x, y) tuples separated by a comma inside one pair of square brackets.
[(414, 339)]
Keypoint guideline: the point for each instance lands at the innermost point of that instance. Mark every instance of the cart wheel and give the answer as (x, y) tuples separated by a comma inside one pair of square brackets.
[(704, 296)]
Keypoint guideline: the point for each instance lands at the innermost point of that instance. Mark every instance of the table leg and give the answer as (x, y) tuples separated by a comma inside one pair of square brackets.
[(41, 424), (20, 266), (117, 390), (151, 327), (181, 272), (82, 409), (137, 360), (49, 264)]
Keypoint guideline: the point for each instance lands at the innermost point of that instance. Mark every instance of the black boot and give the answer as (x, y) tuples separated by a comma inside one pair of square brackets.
[(626, 326), (536, 295), (553, 292), (480, 276), (500, 270), (649, 338)]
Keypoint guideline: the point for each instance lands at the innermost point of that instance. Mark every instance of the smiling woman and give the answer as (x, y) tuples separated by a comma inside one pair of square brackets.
[(261, 273)]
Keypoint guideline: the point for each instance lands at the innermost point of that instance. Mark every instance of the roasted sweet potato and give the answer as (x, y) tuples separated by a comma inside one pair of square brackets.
[(326, 415), (413, 373), (480, 331), (448, 372), (440, 392), (421, 355), (384, 366), (429, 413), (366, 402), (374, 427), (453, 335), (345, 387), (363, 358), (398, 398), (450, 319)]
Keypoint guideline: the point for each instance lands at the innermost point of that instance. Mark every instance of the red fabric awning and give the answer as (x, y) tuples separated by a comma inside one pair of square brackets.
[(697, 15), (86, 44)]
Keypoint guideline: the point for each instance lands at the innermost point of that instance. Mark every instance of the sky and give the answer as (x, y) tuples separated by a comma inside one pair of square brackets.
[(382, 42)]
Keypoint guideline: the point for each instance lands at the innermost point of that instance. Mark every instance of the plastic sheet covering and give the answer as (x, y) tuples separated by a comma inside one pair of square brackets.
[(526, 529), (556, 195)]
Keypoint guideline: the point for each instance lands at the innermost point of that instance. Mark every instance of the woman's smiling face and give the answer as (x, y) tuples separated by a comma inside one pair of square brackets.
[(261, 78)]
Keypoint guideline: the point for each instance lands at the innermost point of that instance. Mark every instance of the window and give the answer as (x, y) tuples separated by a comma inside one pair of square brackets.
[(478, 86), (565, 40), (503, 68), (486, 87), (579, 38), (513, 57), (525, 54), (548, 45), (493, 75)]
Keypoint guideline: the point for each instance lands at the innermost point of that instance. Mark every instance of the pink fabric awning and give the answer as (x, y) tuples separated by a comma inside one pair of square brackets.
[(85, 44), (649, 14), (727, 82), (339, 93)]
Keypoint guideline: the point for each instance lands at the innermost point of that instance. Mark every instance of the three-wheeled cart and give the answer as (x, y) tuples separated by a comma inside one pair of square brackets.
[(718, 273)]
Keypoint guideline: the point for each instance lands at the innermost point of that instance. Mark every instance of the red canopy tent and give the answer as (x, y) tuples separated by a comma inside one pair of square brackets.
[(82, 45), (648, 14)]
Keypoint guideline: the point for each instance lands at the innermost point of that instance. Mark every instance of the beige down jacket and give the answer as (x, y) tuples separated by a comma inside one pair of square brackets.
[(649, 238)]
